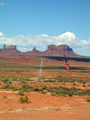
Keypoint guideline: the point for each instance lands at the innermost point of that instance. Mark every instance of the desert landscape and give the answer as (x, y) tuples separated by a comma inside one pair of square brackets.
[(57, 94), (45, 60)]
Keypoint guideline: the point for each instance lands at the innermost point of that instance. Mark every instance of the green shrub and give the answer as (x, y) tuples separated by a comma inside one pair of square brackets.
[(24, 100), (63, 94), (53, 94), (80, 81), (10, 82), (21, 93), (36, 89), (70, 93), (73, 84), (43, 92), (44, 87), (21, 100), (49, 90), (23, 82), (57, 109), (26, 88), (5, 87), (88, 91), (83, 85), (13, 88), (55, 87), (88, 100), (40, 89), (5, 97), (84, 82), (5, 81)]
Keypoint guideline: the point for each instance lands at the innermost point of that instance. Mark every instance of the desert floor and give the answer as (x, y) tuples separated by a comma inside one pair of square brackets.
[(18, 71)]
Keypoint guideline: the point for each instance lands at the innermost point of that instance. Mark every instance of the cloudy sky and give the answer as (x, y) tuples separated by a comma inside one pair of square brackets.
[(39, 23)]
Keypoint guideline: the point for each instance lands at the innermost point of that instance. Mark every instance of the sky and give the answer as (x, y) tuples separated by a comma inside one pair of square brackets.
[(39, 23)]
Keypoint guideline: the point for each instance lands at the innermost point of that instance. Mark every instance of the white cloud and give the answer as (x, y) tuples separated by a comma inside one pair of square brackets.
[(44, 35), (28, 42), (1, 34), (68, 35)]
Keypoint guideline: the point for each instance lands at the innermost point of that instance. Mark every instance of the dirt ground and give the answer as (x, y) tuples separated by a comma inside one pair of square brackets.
[(43, 106)]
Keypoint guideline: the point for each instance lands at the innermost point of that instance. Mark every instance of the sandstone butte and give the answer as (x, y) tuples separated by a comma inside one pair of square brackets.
[(52, 50)]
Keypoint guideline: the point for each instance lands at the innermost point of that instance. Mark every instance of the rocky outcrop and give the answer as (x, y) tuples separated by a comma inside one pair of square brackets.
[(33, 52), (52, 50), (59, 50), (9, 50), (4, 47), (11, 47)]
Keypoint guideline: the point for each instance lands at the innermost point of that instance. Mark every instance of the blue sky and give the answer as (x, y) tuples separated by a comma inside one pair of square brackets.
[(39, 23)]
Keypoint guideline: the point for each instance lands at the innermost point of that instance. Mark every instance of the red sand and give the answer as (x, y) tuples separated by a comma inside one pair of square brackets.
[(42, 106)]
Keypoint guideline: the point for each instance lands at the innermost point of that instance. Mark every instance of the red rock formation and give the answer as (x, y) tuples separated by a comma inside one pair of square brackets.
[(33, 52), (59, 47), (11, 47), (59, 50), (10, 50), (52, 50), (4, 47)]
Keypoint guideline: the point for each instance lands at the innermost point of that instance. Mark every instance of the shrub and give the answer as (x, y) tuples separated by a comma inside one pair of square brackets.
[(20, 93), (80, 81), (83, 85), (44, 92), (70, 93), (26, 88), (73, 89), (55, 87), (88, 91), (57, 110), (63, 94), (10, 82), (73, 84), (5, 97), (23, 82), (36, 89), (24, 100), (49, 90), (5, 81), (84, 82), (5, 87), (44, 87), (40, 89), (13, 88), (21, 100), (53, 94), (88, 100)]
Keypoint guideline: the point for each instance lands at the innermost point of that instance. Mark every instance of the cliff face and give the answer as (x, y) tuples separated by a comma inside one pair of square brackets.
[(33, 52), (52, 50), (11, 47), (10, 50), (59, 48)]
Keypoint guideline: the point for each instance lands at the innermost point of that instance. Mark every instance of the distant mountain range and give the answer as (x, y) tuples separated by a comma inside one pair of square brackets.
[(52, 50)]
